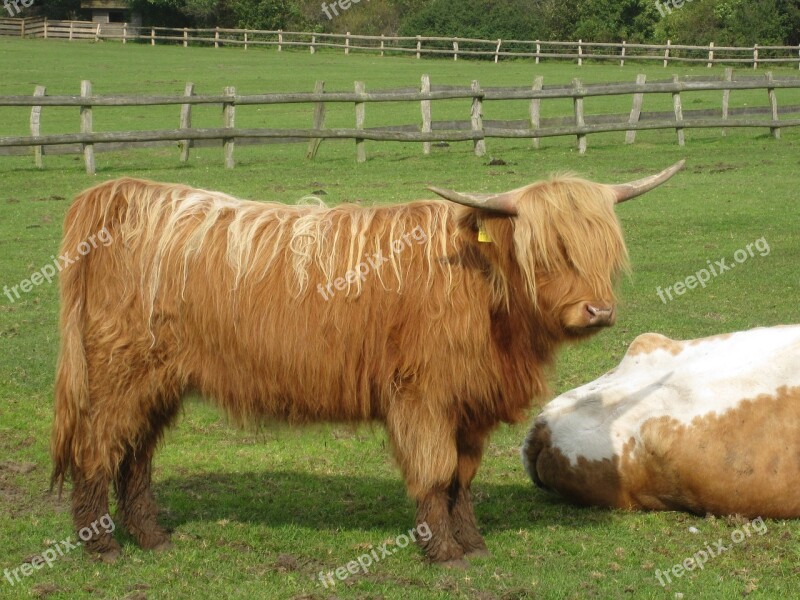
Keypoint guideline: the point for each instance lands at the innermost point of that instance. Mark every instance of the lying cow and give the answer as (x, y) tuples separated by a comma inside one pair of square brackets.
[(406, 315), (707, 426)]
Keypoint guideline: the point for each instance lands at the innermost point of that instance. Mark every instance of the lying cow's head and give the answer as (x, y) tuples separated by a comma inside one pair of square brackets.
[(561, 241)]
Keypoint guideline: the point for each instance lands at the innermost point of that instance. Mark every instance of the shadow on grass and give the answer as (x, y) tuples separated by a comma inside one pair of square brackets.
[(345, 502)]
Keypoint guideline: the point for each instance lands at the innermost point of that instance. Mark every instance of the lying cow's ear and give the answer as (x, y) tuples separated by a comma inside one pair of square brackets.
[(505, 203)]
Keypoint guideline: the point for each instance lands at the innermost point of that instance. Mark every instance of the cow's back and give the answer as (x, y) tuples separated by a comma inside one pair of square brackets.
[(709, 425)]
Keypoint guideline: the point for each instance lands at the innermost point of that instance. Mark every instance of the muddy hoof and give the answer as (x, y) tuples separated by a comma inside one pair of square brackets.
[(164, 546), (108, 557), (455, 563), (478, 553)]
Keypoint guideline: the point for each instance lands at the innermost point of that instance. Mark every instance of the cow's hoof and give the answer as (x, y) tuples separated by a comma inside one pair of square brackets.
[(478, 553), (454, 563), (109, 557), (164, 546)]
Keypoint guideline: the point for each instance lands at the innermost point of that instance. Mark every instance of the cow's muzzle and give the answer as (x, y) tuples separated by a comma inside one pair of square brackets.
[(599, 315)]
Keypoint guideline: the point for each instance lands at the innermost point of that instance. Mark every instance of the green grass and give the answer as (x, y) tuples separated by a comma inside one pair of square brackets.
[(259, 514)]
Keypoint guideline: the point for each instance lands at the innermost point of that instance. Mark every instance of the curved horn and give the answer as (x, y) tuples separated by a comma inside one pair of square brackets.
[(505, 203), (626, 191)]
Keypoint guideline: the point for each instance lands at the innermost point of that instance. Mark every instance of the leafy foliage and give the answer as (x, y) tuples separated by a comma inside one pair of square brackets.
[(485, 19), (725, 22)]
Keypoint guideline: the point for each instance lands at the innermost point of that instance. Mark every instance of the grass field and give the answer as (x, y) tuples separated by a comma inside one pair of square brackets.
[(260, 514)]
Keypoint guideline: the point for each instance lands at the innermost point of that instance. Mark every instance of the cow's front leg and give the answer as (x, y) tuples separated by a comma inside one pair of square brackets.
[(424, 445), (433, 517), (465, 528)]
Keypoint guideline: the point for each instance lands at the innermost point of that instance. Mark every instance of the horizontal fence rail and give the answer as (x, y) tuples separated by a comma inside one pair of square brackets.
[(473, 128), (455, 47)]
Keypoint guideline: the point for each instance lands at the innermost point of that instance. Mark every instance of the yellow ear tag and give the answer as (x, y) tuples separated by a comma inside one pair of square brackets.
[(483, 235)]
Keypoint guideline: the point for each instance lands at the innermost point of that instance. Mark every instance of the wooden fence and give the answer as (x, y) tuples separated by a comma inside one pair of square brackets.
[(577, 51), (474, 129)]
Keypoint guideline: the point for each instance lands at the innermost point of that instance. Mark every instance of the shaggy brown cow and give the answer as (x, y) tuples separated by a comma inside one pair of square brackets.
[(440, 340)]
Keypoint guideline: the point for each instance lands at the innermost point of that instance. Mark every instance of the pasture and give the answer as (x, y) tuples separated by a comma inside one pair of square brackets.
[(259, 514)]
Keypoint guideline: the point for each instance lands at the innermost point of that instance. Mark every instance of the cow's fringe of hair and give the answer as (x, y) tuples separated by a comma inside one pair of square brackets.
[(563, 223)]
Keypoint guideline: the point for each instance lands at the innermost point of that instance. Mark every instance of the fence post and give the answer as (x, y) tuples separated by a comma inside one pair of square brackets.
[(636, 110), (755, 56), (36, 131), (425, 108), (319, 121), (580, 53), (622, 59), (86, 127), (773, 101), (245, 42), (22, 29), (216, 37), (579, 119), (71, 27), (311, 48), (347, 43), (361, 151), (497, 51), (97, 33), (538, 51), (45, 28), (666, 53), (419, 46), (726, 98), (186, 122), (678, 107), (280, 40), (477, 119), (455, 50), (383, 42), (710, 54), (152, 36), (229, 122), (185, 37), (536, 109), (124, 33)]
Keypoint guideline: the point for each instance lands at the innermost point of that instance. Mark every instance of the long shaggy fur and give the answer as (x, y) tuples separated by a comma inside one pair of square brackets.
[(200, 291)]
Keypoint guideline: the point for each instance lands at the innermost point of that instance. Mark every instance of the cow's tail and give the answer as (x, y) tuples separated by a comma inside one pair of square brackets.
[(84, 225)]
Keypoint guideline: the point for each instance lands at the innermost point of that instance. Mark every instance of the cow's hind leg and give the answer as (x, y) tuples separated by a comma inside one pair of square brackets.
[(465, 527), (89, 508), (425, 448), (136, 505)]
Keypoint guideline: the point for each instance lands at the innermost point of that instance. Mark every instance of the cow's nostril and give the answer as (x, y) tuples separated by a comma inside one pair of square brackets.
[(599, 315)]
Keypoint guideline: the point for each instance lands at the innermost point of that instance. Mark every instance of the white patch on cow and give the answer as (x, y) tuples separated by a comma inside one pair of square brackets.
[(596, 420)]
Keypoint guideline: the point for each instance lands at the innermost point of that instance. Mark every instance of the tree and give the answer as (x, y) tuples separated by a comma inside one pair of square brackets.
[(616, 20), (485, 19), (59, 9), (728, 22)]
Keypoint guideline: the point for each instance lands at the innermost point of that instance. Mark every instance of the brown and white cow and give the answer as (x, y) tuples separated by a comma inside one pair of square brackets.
[(707, 426), (395, 314)]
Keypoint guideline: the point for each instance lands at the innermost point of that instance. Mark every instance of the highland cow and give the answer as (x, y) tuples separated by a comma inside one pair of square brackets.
[(441, 342)]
